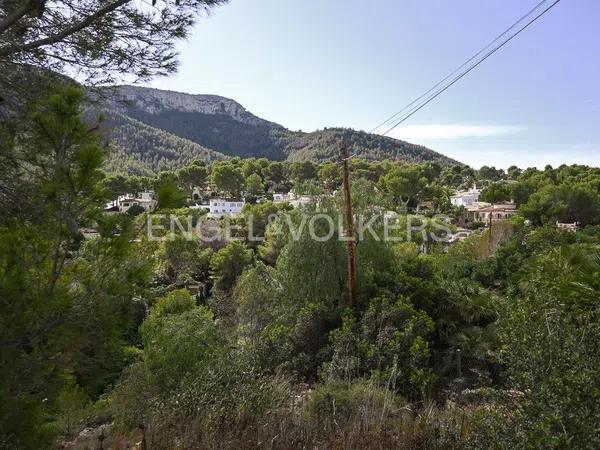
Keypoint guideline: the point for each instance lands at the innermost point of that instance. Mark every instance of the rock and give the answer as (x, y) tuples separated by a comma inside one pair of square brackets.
[(101, 438)]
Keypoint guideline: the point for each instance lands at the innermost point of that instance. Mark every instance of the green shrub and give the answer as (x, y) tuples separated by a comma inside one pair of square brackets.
[(389, 344), (175, 302), (191, 376)]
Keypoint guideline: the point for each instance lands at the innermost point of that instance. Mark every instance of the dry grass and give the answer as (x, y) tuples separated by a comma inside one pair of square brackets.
[(367, 418)]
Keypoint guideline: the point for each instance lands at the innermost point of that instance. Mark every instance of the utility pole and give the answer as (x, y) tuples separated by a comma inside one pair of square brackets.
[(349, 227), (490, 243)]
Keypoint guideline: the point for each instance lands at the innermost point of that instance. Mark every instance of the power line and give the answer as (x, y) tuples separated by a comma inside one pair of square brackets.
[(463, 74), (459, 77), (497, 38)]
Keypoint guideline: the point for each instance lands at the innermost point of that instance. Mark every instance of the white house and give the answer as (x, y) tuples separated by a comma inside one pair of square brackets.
[(219, 207), (572, 227), (293, 199), (145, 200), (466, 198)]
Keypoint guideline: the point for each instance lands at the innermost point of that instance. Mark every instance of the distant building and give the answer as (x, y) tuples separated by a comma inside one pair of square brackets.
[(293, 199), (567, 226), (123, 203), (219, 207), (89, 233), (466, 198), (495, 213)]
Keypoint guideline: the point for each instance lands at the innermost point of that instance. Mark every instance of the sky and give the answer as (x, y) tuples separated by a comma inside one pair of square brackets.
[(312, 64)]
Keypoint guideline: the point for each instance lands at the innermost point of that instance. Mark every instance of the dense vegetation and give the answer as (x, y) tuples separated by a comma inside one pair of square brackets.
[(139, 149), (493, 341), (189, 343)]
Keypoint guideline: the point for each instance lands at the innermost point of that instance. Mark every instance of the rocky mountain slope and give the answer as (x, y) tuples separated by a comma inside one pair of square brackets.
[(156, 130)]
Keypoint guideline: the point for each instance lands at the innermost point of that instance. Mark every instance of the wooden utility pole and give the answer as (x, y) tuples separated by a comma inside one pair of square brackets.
[(349, 228), (490, 242)]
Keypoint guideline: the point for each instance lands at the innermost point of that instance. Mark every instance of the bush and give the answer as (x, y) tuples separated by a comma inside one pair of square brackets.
[(550, 338), (229, 263), (388, 344), (192, 384), (173, 303)]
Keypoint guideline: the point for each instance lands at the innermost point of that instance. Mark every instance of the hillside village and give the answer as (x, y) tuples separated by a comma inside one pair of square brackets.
[(465, 209)]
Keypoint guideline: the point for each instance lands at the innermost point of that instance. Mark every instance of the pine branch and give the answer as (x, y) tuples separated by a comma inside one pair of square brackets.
[(58, 37), (15, 16)]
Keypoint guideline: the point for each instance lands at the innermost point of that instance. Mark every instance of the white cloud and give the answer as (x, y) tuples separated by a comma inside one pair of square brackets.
[(450, 131)]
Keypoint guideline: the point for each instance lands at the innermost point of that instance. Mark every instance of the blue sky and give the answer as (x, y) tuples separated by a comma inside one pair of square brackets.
[(320, 63)]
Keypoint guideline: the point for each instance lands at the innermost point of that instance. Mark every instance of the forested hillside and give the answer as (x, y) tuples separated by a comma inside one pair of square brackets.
[(139, 149), (224, 126), (323, 145)]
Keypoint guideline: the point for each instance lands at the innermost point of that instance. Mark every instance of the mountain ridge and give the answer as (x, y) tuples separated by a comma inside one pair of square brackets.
[(160, 100), (220, 127)]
